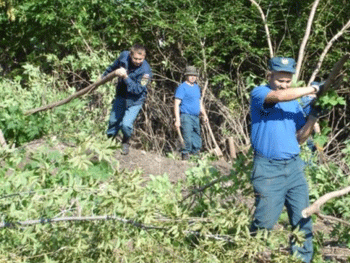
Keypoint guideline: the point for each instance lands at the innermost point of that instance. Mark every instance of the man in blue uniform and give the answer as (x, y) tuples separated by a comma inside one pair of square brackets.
[(187, 109), (278, 127), (134, 73)]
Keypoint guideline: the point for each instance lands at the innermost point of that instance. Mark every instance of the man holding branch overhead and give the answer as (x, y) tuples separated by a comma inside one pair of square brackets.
[(278, 127)]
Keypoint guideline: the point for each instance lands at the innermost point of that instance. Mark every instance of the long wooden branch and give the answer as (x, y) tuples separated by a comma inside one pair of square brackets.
[(333, 75), (90, 88), (266, 27), (217, 149), (305, 39), (82, 218), (315, 207), (225, 238), (325, 51)]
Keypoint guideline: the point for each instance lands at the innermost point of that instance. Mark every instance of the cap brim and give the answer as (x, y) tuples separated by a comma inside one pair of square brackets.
[(279, 69)]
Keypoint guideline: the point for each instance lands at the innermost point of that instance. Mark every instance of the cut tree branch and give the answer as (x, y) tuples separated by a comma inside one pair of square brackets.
[(201, 189), (305, 39), (80, 218), (265, 25), (88, 89), (225, 238), (332, 218), (315, 207), (325, 51)]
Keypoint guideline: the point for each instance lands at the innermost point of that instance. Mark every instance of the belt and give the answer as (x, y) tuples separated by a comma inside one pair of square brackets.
[(275, 159)]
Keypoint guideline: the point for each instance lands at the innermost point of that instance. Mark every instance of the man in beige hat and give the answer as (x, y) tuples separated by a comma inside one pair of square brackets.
[(188, 108)]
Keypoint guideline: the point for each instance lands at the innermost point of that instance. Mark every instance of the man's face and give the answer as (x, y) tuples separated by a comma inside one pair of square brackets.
[(191, 78), (280, 80), (137, 58)]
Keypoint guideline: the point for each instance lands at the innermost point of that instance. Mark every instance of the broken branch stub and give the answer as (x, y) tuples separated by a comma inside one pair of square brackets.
[(315, 207), (89, 88)]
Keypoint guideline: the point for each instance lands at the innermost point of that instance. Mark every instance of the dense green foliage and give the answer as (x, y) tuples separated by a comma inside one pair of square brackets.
[(47, 183), (226, 41), (50, 49)]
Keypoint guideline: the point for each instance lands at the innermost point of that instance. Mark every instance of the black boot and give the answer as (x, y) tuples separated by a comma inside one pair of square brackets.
[(111, 137), (126, 145), (185, 156)]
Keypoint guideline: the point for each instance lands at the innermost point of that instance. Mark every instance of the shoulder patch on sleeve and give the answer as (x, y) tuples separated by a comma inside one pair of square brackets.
[(145, 79)]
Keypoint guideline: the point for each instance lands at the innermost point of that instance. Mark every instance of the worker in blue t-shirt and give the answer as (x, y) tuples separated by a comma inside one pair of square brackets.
[(278, 127), (187, 109), (134, 74)]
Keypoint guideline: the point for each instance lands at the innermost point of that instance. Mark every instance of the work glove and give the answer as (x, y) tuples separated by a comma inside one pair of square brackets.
[(318, 86)]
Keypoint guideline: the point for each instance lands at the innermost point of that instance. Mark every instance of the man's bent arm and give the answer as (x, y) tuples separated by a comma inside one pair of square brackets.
[(306, 130), (177, 112), (112, 67), (288, 94)]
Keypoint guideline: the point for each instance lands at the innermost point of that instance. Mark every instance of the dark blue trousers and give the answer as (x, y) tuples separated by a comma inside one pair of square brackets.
[(122, 117), (191, 133), (278, 184)]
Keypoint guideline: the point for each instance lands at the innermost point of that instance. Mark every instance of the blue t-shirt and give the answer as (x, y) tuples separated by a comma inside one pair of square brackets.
[(190, 97), (274, 126)]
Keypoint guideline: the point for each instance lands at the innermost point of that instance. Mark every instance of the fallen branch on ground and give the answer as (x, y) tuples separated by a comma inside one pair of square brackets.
[(89, 88), (332, 218), (201, 189), (225, 238)]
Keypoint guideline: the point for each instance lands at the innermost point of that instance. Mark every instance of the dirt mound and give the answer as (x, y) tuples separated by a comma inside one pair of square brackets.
[(154, 164)]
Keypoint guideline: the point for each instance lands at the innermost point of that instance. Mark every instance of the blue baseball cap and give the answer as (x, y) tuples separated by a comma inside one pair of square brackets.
[(282, 64)]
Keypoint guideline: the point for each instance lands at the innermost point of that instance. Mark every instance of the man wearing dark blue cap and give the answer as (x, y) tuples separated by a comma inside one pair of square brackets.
[(278, 127)]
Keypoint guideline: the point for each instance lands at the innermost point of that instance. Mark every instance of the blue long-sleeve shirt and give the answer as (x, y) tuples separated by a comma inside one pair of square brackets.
[(133, 88)]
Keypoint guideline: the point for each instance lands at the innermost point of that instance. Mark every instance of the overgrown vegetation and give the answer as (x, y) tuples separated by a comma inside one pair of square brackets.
[(50, 49)]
